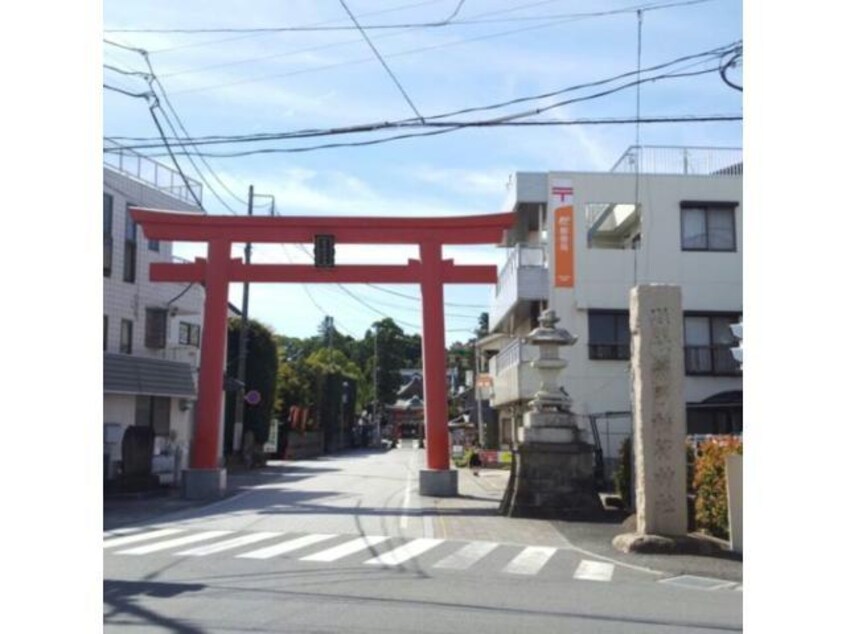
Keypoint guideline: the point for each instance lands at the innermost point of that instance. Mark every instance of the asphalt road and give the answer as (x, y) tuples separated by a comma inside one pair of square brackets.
[(345, 544)]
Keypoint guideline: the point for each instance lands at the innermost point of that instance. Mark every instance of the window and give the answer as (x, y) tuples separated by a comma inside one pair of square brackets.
[(613, 225), (153, 245), (707, 344), (105, 333), (608, 335), (707, 226), (130, 248), (189, 334), (155, 335), (108, 203), (126, 336), (153, 411)]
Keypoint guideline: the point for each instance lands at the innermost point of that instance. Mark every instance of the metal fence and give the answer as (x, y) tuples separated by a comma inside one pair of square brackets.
[(665, 159), (151, 172)]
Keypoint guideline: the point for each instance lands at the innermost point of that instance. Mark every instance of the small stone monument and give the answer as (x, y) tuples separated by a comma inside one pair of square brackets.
[(552, 474)]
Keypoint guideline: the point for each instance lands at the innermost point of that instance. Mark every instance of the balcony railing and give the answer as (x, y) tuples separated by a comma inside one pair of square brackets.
[(521, 255), (663, 159), (710, 360), (523, 277), (151, 172)]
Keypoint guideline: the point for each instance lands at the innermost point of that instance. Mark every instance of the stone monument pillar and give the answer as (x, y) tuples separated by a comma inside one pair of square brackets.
[(659, 421), (552, 474)]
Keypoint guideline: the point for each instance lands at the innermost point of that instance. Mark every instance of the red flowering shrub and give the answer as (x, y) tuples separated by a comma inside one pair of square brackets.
[(709, 483)]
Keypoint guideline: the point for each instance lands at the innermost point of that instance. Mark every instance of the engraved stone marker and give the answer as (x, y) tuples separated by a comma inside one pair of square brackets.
[(658, 409)]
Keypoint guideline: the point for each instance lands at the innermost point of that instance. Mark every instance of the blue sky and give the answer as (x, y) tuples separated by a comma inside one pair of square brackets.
[(229, 83)]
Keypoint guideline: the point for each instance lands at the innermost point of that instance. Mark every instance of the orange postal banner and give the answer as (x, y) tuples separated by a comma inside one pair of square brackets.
[(564, 264)]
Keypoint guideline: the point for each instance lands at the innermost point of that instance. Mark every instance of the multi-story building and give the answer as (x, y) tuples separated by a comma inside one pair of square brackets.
[(582, 241), (151, 331)]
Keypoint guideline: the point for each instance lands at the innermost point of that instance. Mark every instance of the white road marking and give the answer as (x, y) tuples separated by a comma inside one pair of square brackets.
[(347, 548), (131, 539), (174, 543), (252, 538), (405, 552), (696, 582), (530, 560), (467, 556), (286, 547), (117, 532), (594, 571)]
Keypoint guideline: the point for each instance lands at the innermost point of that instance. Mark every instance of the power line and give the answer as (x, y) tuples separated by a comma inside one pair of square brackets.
[(550, 24), (152, 108), (141, 95), (730, 64), (381, 59), (188, 136), (449, 22), (250, 35), (321, 47), (418, 298), (151, 78), (218, 139)]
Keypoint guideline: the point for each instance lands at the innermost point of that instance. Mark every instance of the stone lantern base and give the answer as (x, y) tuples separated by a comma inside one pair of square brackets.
[(552, 480)]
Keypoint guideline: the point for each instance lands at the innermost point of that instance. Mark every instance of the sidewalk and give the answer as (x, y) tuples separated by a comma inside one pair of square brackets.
[(474, 516), (134, 509)]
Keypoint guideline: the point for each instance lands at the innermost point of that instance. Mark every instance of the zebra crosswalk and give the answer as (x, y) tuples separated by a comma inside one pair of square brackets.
[(367, 550)]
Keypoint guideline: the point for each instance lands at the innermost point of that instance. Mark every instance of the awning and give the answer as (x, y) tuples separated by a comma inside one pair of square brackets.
[(127, 374)]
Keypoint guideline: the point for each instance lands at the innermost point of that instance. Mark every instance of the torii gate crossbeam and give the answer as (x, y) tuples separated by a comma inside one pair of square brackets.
[(218, 269)]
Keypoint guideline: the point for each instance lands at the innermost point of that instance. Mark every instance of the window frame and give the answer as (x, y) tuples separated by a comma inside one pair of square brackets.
[(126, 328), (621, 351), (714, 349), (191, 333), (708, 206), (152, 337), (108, 229), (130, 248)]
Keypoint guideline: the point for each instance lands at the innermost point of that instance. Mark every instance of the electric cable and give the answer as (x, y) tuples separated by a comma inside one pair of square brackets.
[(381, 59), (449, 22)]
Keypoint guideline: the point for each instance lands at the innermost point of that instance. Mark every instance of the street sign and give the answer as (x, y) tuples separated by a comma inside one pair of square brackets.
[(252, 397)]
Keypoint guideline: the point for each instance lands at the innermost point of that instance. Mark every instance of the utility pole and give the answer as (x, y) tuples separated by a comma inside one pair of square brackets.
[(477, 390), (376, 418), (242, 345)]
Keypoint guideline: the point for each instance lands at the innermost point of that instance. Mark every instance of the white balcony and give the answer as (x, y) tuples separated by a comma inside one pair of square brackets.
[(514, 379), (523, 278)]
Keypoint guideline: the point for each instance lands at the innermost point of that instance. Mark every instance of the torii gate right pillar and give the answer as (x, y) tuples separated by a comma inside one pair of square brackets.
[(437, 479)]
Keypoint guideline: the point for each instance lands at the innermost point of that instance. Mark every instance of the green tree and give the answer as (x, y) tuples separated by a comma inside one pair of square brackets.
[(484, 326), (261, 375)]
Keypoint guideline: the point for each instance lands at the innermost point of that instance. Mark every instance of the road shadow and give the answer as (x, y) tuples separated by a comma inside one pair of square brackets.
[(121, 597)]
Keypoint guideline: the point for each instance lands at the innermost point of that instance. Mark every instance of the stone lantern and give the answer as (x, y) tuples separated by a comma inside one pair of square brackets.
[(552, 473)]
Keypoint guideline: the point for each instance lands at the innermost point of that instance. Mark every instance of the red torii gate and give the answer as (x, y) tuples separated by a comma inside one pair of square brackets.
[(218, 269)]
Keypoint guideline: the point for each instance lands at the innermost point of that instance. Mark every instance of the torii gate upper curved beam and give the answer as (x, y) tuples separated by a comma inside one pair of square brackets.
[(431, 271)]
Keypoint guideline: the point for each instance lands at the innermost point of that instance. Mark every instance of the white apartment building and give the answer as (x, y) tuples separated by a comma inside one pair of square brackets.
[(582, 241), (151, 331)]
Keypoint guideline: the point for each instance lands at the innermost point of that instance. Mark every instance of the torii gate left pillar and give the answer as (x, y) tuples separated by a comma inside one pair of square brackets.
[(206, 478)]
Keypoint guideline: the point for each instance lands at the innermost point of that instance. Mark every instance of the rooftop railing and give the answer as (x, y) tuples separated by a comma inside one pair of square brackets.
[(665, 159), (151, 172)]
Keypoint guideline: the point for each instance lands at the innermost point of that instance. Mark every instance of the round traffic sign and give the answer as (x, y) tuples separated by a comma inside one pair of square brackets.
[(252, 397)]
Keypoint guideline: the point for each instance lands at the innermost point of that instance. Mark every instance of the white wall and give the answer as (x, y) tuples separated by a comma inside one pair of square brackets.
[(125, 300), (710, 281)]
